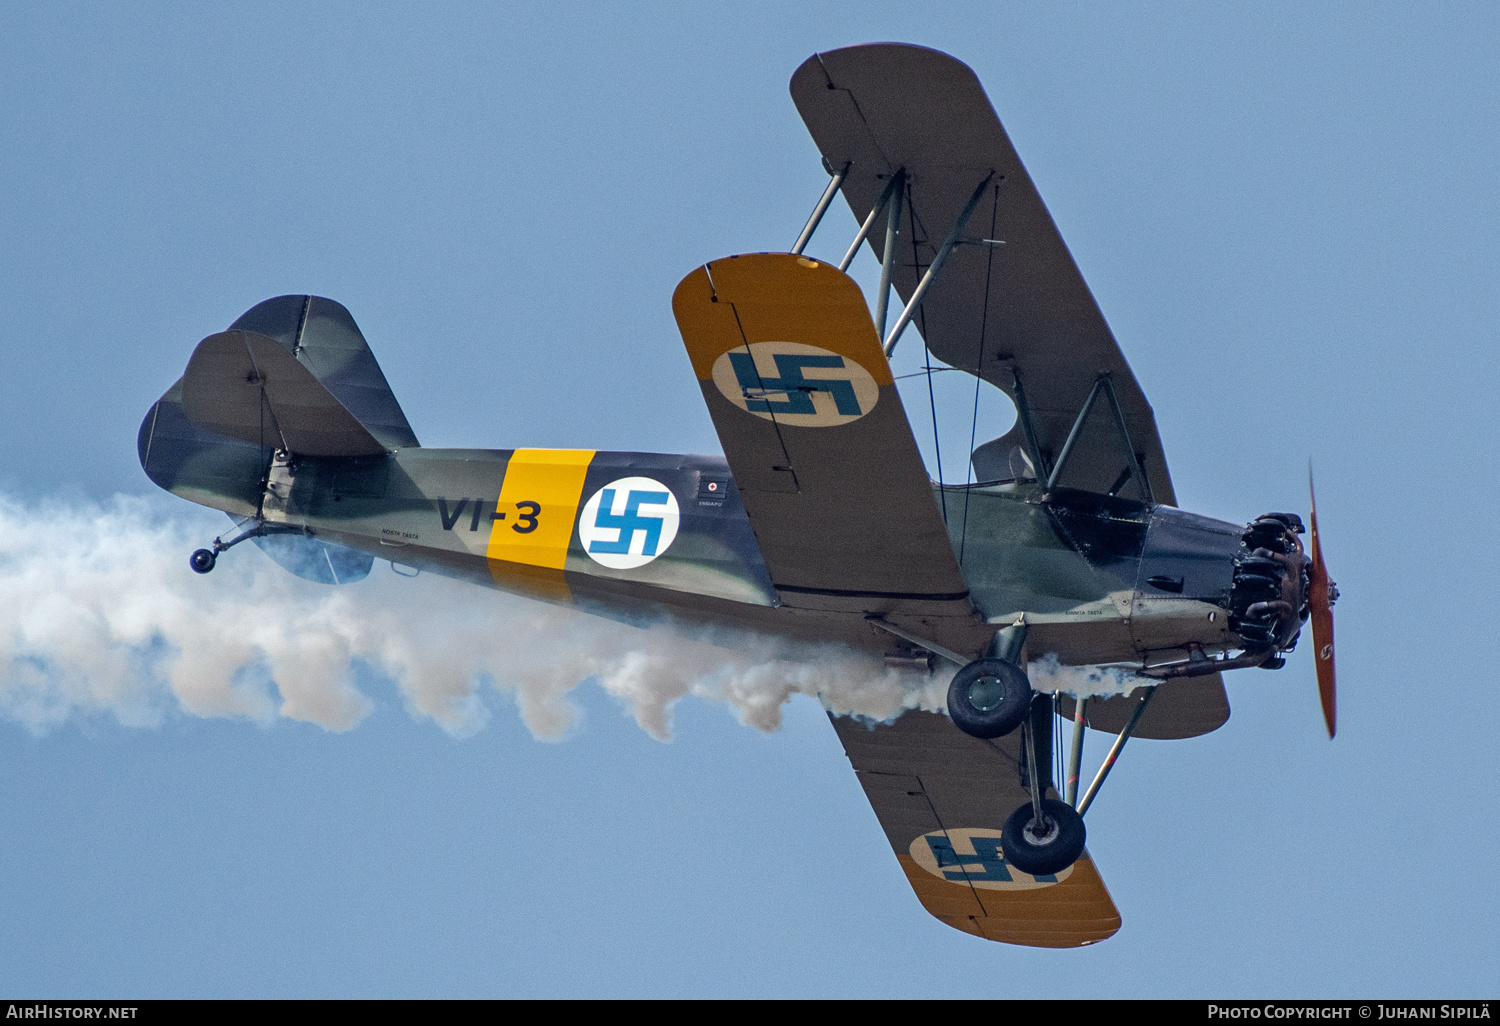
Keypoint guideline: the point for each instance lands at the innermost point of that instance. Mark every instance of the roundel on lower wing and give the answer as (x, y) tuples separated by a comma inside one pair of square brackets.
[(629, 522), (972, 855), (796, 384)]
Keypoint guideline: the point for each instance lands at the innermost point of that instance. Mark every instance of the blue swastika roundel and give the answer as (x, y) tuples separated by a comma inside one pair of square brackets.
[(629, 522), (795, 384), (972, 855)]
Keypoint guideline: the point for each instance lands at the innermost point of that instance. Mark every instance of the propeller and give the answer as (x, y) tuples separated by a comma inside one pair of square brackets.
[(1322, 594)]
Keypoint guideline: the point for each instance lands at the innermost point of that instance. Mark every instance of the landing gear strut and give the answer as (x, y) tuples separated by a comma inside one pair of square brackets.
[(203, 560), (990, 698), (1044, 836)]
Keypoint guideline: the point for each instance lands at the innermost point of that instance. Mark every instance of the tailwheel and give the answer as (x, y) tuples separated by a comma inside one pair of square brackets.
[(989, 698), (1046, 845), (203, 560)]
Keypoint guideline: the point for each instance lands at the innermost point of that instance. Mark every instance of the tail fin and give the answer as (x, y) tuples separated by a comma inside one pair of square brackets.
[(209, 438), (324, 339)]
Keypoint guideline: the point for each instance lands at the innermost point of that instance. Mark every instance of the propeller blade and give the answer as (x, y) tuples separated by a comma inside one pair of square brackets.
[(1322, 593)]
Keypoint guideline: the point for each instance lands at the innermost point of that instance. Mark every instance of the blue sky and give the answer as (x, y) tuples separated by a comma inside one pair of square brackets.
[(1288, 213)]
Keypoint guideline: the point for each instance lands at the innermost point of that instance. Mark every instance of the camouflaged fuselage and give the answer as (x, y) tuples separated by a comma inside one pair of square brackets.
[(1078, 567)]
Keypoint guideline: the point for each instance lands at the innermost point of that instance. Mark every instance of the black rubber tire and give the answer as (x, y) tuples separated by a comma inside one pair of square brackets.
[(202, 561), (1053, 857), (1010, 705)]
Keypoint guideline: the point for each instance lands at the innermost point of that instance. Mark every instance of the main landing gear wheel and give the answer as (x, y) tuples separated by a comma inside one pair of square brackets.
[(1049, 847), (989, 698), (202, 561)]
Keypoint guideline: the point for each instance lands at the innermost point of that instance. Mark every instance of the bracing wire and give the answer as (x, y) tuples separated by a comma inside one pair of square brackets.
[(937, 445), (918, 374), (265, 459), (984, 320)]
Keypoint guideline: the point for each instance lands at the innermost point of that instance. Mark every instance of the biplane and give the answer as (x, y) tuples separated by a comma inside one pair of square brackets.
[(820, 521)]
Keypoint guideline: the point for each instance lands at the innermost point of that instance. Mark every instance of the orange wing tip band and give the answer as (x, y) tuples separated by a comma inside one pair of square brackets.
[(775, 297)]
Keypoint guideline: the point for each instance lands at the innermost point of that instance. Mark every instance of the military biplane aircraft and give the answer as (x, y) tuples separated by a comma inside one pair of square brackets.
[(820, 522)]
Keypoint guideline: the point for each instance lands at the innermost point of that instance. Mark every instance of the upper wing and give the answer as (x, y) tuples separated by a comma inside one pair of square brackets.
[(1017, 310), (816, 436), (942, 798)]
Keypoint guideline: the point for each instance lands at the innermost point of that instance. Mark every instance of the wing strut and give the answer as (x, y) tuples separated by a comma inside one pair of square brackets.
[(867, 224), (1028, 428), (954, 238), (1103, 384), (906, 635), (1075, 754), (897, 190), (1067, 449), (819, 210)]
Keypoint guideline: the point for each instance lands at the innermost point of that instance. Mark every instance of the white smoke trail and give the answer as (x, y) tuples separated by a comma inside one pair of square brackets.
[(100, 616), (1050, 675)]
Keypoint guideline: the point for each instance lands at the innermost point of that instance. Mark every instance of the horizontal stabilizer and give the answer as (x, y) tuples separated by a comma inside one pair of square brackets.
[(314, 559), (249, 386)]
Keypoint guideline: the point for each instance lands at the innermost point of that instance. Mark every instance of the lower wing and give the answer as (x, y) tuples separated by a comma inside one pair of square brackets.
[(942, 798)]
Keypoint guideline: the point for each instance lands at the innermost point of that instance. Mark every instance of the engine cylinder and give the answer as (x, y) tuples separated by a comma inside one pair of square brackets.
[(1268, 597)]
